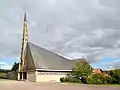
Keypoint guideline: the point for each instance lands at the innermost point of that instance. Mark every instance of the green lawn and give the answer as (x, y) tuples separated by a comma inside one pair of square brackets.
[(3, 75)]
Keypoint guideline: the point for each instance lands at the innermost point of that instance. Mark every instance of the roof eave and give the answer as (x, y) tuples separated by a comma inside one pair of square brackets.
[(51, 70)]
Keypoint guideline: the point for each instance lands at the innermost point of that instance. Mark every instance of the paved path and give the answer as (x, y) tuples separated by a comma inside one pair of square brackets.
[(19, 85)]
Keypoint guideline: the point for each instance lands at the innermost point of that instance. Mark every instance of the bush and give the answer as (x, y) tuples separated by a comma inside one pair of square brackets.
[(84, 79), (94, 81), (115, 74), (62, 79), (70, 79), (12, 75), (99, 79), (109, 80)]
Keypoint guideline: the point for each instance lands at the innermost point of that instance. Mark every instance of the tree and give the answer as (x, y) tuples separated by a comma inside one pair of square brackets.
[(14, 72), (115, 74), (15, 67), (82, 69)]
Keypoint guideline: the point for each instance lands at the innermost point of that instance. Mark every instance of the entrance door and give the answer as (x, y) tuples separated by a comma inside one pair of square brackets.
[(24, 75), (20, 75)]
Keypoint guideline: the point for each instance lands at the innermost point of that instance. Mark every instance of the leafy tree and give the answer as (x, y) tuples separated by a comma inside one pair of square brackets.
[(115, 74), (15, 67), (82, 69)]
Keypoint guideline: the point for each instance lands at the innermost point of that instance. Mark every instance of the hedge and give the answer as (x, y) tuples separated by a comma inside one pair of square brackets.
[(70, 79)]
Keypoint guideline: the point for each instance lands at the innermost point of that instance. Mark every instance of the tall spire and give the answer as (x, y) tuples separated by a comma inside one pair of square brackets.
[(25, 35), (25, 17), (24, 44), (25, 28)]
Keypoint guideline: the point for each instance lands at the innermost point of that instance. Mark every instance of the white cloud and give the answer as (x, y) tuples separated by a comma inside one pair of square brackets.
[(4, 65), (114, 64), (74, 28)]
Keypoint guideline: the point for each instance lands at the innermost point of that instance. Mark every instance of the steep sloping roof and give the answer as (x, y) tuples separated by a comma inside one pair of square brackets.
[(28, 60), (44, 59)]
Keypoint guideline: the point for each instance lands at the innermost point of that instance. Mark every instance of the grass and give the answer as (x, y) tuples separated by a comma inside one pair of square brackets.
[(91, 84), (70, 83), (3, 75)]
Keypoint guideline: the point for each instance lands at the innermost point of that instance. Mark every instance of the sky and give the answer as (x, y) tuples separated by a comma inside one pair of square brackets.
[(72, 28)]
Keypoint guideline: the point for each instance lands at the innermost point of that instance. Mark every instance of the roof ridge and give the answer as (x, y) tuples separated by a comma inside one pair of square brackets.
[(48, 51), (78, 58)]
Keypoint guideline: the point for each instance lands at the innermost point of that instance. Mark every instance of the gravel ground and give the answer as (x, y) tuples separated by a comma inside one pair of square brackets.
[(20, 85)]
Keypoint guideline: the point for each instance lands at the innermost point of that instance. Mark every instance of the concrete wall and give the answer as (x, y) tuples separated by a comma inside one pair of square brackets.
[(48, 78), (31, 76)]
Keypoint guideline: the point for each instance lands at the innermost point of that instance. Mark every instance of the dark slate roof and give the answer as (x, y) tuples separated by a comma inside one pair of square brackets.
[(44, 59)]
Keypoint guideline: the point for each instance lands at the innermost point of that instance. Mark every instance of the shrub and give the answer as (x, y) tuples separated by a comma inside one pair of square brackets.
[(109, 79), (115, 74), (93, 80), (12, 75), (62, 79), (99, 79), (70, 79), (84, 79)]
